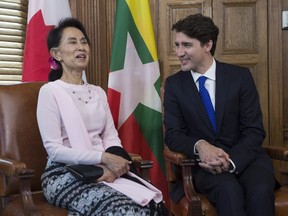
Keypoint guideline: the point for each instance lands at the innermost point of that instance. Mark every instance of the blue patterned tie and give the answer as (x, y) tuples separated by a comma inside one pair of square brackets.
[(207, 101)]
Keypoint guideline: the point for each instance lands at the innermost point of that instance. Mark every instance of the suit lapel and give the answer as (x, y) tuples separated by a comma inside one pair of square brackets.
[(192, 94), (222, 87)]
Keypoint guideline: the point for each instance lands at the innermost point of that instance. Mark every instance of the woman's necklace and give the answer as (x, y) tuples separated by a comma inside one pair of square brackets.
[(84, 96)]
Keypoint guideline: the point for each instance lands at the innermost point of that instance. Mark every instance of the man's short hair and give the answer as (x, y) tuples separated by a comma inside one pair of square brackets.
[(199, 27)]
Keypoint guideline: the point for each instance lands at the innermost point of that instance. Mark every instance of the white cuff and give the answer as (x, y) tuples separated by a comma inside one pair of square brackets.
[(195, 151), (234, 167)]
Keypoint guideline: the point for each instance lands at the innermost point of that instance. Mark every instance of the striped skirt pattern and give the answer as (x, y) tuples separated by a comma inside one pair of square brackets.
[(63, 190)]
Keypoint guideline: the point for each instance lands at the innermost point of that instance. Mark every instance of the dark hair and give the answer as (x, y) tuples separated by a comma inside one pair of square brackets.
[(199, 27), (54, 38)]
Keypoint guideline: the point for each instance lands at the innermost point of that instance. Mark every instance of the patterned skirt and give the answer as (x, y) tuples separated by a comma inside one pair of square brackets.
[(63, 190)]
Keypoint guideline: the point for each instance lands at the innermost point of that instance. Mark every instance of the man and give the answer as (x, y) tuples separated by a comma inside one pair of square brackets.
[(234, 172)]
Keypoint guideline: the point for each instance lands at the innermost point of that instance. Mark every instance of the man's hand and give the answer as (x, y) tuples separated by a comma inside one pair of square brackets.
[(213, 159)]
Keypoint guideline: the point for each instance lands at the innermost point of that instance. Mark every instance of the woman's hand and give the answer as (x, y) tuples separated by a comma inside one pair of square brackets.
[(116, 164), (107, 176)]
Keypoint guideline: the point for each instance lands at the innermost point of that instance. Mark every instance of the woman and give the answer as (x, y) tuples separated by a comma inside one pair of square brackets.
[(76, 127)]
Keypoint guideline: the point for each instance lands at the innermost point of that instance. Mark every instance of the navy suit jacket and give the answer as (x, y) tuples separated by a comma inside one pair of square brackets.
[(238, 117)]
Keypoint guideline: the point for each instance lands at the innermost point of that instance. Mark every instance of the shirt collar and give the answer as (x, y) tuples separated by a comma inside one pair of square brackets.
[(210, 73)]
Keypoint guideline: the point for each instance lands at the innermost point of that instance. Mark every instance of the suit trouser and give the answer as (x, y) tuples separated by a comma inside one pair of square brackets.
[(249, 193)]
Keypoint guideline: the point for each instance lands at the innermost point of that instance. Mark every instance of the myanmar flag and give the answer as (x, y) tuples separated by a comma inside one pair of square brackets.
[(134, 86)]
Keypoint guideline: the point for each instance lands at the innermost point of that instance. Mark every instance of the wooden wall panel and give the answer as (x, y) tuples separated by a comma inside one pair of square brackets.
[(239, 28), (171, 11), (285, 77), (276, 48), (243, 40), (261, 51)]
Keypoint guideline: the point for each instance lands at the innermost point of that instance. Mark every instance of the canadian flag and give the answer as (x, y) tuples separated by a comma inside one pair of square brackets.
[(43, 15)]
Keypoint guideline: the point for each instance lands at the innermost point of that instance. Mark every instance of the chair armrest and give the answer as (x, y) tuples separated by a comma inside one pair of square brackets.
[(178, 164), (10, 167), (280, 154), (174, 162), (277, 153), (173, 157), (143, 166), (13, 168), (139, 162)]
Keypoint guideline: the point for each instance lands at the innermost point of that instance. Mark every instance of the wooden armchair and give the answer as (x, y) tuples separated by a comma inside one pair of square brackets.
[(179, 167), (23, 157)]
